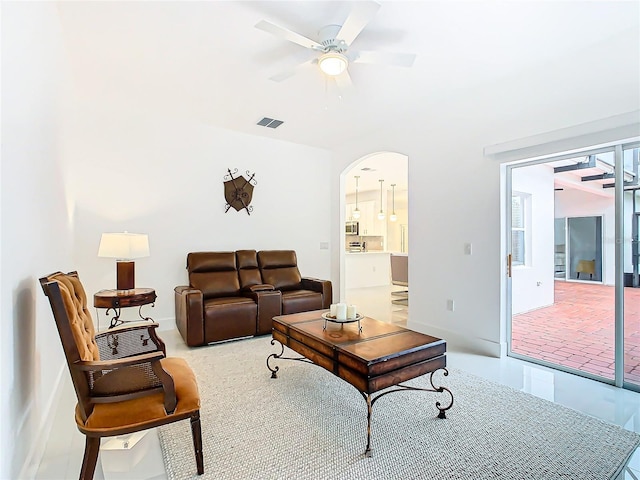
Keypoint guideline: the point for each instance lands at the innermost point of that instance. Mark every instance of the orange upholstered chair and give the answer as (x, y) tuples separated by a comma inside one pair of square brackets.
[(123, 380)]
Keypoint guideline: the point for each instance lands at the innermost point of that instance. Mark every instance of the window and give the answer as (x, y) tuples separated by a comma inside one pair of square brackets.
[(518, 231)]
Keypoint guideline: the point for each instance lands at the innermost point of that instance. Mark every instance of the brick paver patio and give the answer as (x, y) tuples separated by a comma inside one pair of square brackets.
[(578, 331)]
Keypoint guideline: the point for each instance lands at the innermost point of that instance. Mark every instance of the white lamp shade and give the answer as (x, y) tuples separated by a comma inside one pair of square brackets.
[(124, 246), (333, 63)]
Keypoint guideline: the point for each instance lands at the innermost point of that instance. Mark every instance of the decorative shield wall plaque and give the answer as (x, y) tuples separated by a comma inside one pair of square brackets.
[(238, 191)]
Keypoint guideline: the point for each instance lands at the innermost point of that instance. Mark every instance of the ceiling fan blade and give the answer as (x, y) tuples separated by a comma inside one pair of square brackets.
[(288, 35), (343, 81), (385, 58), (279, 77), (361, 14)]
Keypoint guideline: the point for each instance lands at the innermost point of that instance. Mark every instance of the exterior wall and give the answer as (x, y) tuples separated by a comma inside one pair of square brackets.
[(532, 283)]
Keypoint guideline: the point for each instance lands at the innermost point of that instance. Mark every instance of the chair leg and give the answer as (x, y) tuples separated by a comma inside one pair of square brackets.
[(91, 450), (196, 433)]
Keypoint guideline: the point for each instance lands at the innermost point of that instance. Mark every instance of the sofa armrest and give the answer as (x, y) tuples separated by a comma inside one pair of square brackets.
[(269, 304), (190, 315), (263, 287), (321, 286)]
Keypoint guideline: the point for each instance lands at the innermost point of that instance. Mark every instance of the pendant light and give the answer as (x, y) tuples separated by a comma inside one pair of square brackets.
[(356, 212), (381, 212), (393, 216)]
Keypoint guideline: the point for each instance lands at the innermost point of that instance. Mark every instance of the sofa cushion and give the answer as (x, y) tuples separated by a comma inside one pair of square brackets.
[(280, 269), (248, 268), (214, 273), (296, 301), (229, 317), (200, 262)]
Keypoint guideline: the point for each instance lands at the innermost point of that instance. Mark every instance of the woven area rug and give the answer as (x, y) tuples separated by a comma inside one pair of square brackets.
[(309, 424)]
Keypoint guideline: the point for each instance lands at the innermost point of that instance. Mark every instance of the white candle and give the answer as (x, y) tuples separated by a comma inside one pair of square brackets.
[(332, 309), (351, 311), (341, 311)]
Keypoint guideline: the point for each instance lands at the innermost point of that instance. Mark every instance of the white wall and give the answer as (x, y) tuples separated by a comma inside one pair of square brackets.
[(165, 178), (36, 231), (454, 190), (72, 169), (532, 283)]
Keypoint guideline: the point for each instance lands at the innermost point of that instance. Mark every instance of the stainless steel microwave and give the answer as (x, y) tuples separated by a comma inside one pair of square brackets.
[(351, 228)]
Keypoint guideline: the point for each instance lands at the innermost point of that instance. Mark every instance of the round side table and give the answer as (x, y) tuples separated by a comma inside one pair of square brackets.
[(119, 299)]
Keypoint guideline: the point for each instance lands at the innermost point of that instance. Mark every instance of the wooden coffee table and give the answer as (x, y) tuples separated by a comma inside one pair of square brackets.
[(381, 356)]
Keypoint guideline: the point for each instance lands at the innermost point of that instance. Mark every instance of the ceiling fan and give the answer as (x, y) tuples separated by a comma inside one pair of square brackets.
[(333, 46)]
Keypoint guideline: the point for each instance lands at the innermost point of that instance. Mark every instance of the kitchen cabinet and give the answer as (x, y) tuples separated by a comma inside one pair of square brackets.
[(369, 223), (366, 211)]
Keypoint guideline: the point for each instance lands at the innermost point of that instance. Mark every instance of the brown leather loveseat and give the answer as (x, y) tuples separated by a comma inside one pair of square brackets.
[(236, 294)]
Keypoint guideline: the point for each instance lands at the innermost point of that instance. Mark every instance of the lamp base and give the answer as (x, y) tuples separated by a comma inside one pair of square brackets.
[(125, 275)]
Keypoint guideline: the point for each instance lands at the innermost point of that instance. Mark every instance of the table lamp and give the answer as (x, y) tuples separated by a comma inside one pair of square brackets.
[(124, 247)]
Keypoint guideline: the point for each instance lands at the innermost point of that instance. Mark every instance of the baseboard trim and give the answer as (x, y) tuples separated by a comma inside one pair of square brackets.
[(38, 446), (165, 324), (455, 340)]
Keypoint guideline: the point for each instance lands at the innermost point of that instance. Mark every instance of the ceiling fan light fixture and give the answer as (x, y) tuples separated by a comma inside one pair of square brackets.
[(333, 63)]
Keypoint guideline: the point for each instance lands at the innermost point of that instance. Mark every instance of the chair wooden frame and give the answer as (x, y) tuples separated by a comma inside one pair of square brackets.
[(112, 381)]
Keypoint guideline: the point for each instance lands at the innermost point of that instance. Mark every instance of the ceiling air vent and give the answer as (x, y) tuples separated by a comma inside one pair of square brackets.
[(270, 122)]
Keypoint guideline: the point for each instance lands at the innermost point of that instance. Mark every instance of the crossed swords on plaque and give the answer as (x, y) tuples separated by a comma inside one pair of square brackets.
[(238, 191)]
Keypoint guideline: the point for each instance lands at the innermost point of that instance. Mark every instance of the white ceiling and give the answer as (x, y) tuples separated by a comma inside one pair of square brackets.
[(204, 61)]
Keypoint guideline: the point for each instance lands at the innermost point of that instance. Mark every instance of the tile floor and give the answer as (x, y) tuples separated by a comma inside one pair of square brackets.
[(577, 331), (63, 455)]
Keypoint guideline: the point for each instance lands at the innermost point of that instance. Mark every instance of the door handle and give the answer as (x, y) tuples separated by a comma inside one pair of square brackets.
[(509, 265)]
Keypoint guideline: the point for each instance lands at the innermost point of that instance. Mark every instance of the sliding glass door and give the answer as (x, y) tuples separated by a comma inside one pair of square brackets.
[(631, 278), (569, 305)]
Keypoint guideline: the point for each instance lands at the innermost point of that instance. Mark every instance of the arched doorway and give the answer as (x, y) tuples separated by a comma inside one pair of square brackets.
[(376, 227)]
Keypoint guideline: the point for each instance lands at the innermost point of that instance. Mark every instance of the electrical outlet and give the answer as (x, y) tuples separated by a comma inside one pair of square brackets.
[(324, 245), (468, 249), (450, 305)]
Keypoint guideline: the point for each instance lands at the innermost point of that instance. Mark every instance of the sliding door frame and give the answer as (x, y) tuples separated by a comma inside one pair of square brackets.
[(618, 149)]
